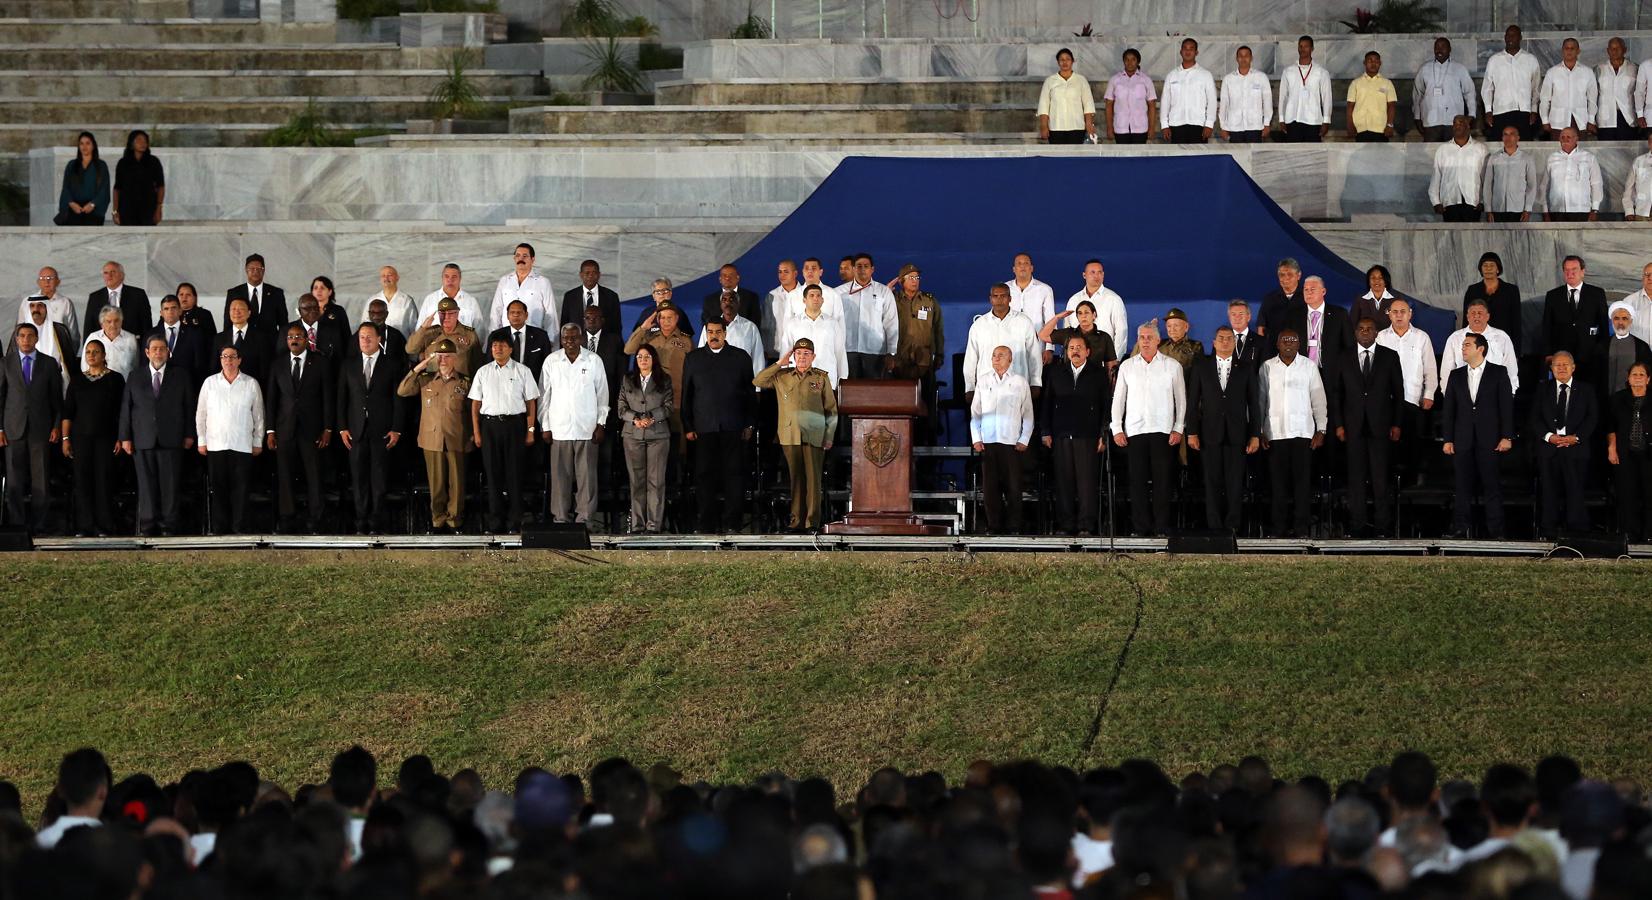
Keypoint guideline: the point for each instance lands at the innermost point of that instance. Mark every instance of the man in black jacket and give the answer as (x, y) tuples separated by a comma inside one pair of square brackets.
[(1277, 305), (1223, 425), (242, 333), (299, 400), (327, 338), (1367, 390), (1575, 321), (589, 293), (718, 406), (267, 302), (1323, 326), (728, 280), (189, 347), (1076, 400), (31, 413), (369, 420), (530, 344), (136, 314), (1478, 425), (157, 427), (1563, 419)]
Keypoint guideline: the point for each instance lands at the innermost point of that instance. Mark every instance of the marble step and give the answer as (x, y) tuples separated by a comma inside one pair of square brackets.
[(759, 119), (111, 137), (38, 58), (742, 141), (94, 9), (146, 32), (205, 83), (75, 112)]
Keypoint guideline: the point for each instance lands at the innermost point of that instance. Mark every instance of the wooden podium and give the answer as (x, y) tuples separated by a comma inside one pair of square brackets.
[(881, 414)]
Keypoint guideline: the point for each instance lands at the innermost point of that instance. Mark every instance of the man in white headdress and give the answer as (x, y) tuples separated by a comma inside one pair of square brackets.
[(59, 308)]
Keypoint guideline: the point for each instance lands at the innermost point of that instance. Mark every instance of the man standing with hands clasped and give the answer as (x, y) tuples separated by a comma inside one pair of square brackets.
[(807, 420)]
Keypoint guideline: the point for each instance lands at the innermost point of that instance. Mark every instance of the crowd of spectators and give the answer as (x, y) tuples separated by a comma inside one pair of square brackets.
[(1017, 829)]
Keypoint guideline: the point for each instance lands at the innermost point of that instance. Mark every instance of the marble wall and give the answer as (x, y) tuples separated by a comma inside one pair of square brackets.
[(477, 182), (1432, 262), (684, 20)]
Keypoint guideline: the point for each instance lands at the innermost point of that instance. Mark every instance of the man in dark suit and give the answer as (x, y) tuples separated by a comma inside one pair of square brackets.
[(1574, 320), (589, 293), (31, 413), (609, 346), (728, 278), (1223, 425), (1247, 342), (1623, 348), (529, 343), (136, 314), (299, 400), (326, 340), (157, 427), (1076, 401), (268, 302), (188, 346), (1478, 425), (1325, 336), (392, 342), (1564, 415), (370, 420), (244, 336), (1367, 390), (1276, 305), (719, 406)]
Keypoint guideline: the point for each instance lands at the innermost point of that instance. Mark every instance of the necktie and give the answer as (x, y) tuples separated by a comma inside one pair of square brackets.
[(591, 341), (367, 370), (157, 383), (1239, 347), (238, 333), (295, 370), (1574, 298), (310, 336), (516, 344), (255, 301), (1365, 363), (590, 297), (28, 369), (1560, 409), (171, 337), (1313, 336)]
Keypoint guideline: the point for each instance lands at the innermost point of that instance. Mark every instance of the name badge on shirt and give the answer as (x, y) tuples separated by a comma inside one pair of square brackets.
[(1255, 87), (1313, 342), (1439, 90), (923, 314)]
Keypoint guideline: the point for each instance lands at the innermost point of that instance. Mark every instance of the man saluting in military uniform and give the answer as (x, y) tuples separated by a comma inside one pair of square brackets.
[(444, 426), (808, 419)]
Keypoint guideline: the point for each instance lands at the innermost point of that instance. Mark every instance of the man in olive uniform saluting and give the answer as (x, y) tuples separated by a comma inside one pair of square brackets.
[(808, 419), (467, 348), (444, 423)]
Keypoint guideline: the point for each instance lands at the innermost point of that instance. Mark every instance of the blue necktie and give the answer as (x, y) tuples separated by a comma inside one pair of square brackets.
[(28, 369)]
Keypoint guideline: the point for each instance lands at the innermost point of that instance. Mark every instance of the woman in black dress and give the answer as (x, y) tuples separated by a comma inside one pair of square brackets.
[(1629, 451), (140, 183), (91, 411), (1502, 297), (84, 199)]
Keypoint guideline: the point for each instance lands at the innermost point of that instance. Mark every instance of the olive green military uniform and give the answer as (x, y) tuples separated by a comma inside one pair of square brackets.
[(467, 353), (444, 436), (807, 420), (921, 345)]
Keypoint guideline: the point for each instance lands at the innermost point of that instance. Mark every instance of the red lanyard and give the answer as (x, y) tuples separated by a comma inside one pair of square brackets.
[(1304, 75)]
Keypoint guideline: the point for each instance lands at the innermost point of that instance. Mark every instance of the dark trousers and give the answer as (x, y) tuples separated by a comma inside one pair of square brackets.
[(1001, 487), (1290, 473), (1301, 133), (1520, 119), (1436, 134), (28, 496), (1560, 475), (1632, 490), (1067, 137), (228, 471), (1475, 469), (1368, 463), (1077, 482), (1139, 137), (369, 458), (93, 462), (1568, 217), (1370, 137), (291, 458), (1621, 130), (720, 468), (1506, 216), (1187, 134), (1461, 212), (865, 365), (1244, 137), (1150, 455), (502, 443), (1408, 454), (1224, 470), (158, 487)]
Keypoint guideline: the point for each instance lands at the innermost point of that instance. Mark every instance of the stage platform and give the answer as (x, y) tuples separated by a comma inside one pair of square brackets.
[(827, 542)]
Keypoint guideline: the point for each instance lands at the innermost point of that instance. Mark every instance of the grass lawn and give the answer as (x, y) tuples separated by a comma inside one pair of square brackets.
[(728, 665)]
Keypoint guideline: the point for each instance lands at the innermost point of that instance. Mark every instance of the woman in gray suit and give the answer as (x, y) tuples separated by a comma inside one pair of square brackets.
[(645, 410)]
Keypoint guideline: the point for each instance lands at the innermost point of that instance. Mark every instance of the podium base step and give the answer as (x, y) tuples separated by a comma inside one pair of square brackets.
[(884, 523)]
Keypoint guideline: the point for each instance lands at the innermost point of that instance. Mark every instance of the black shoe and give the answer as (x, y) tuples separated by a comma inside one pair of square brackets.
[(166, 532), (1458, 535)]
